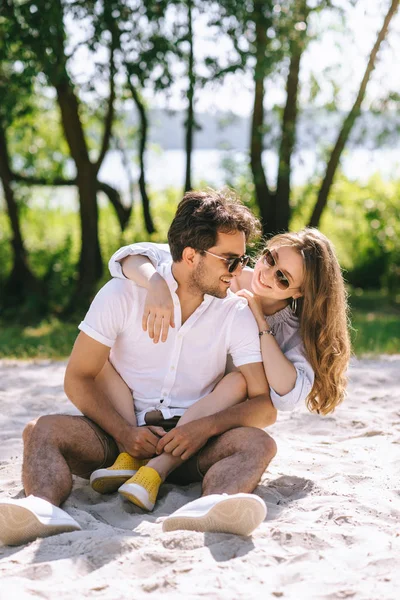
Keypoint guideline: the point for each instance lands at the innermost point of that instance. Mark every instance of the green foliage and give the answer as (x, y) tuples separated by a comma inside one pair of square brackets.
[(36, 143), (47, 339), (363, 220), (53, 243), (375, 322)]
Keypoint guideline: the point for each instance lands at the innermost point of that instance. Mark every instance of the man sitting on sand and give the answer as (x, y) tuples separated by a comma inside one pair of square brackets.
[(207, 238)]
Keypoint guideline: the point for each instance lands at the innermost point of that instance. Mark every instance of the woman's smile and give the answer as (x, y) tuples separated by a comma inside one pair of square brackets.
[(263, 282)]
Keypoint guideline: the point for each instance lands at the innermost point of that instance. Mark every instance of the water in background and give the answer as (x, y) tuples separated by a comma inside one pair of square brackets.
[(167, 169)]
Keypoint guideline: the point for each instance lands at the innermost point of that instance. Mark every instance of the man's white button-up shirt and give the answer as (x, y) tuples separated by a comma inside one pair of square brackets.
[(171, 376)]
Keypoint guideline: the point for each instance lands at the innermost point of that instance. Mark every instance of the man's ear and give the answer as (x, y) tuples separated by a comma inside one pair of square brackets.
[(189, 256)]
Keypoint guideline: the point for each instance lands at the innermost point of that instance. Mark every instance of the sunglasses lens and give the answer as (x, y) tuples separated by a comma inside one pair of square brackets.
[(268, 258), (233, 264), (281, 280)]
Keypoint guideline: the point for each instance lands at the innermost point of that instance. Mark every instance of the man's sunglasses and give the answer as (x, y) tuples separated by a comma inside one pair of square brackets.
[(281, 280), (232, 263)]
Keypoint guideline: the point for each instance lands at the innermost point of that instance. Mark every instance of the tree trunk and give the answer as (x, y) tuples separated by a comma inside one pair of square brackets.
[(349, 121), (283, 188), (282, 197), (148, 220), (190, 96), (90, 263), (263, 195), (22, 285)]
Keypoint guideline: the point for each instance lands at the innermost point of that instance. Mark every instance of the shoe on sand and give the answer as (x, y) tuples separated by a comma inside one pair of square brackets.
[(24, 520), (142, 488), (107, 481), (236, 513)]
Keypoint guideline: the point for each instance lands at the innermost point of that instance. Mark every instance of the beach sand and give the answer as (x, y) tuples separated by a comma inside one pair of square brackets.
[(332, 492)]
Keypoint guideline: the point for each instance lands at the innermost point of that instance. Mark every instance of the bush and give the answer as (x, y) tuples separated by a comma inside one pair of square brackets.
[(363, 221)]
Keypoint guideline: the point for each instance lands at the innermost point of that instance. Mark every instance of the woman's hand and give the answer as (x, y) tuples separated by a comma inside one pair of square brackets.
[(186, 440), (158, 314), (255, 306)]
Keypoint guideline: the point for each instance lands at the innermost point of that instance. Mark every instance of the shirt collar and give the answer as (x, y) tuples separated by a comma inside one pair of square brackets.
[(165, 270)]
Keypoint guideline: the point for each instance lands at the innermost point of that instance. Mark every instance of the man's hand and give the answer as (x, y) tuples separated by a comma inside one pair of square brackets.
[(141, 442), (186, 440)]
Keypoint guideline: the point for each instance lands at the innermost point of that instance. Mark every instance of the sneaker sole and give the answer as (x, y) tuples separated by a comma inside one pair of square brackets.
[(19, 525), (231, 515), (137, 495), (104, 481)]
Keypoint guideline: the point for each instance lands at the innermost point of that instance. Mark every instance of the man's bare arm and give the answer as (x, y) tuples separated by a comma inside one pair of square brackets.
[(86, 361)]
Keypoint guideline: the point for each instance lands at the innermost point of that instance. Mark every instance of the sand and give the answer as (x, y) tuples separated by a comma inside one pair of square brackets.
[(332, 529)]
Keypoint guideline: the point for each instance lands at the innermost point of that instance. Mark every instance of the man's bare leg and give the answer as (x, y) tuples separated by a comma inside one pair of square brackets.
[(54, 447), (235, 461)]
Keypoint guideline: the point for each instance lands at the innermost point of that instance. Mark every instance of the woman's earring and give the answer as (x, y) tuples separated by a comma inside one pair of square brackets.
[(293, 306)]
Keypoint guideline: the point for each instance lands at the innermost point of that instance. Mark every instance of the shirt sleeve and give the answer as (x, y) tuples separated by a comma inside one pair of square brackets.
[(303, 385), (157, 253), (110, 312), (244, 344)]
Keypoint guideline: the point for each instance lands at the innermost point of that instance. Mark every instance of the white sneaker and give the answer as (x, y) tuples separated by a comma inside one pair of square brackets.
[(22, 521), (237, 513)]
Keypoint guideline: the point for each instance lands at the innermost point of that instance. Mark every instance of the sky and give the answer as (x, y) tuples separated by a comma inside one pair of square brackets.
[(347, 52), (344, 51)]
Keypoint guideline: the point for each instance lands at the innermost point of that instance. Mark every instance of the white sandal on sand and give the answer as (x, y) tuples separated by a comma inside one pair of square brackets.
[(236, 513), (24, 520)]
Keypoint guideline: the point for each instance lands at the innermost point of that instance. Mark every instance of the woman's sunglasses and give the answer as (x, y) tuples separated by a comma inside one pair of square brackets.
[(281, 280)]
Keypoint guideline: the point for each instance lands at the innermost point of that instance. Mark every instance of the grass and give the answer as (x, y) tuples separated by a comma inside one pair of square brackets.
[(375, 320), (375, 329), (48, 339)]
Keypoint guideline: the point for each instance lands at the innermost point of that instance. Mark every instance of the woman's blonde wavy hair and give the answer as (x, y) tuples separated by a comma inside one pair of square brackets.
[(323, 316)]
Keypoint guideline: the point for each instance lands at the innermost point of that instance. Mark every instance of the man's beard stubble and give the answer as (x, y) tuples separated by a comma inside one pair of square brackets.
[(198, 284)]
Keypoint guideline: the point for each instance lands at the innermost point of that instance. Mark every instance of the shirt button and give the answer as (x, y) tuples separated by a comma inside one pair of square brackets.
[(176, 303)]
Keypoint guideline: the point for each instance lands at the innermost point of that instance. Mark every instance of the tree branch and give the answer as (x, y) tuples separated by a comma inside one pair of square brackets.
[(123, 213), (29, 180)]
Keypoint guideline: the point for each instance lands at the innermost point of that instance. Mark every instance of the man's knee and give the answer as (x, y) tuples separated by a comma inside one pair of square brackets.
[(46, 428), (28, 431), (256, 442)]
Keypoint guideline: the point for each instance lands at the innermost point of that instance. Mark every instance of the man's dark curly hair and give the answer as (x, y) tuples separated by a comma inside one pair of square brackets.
[(202, 215)]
